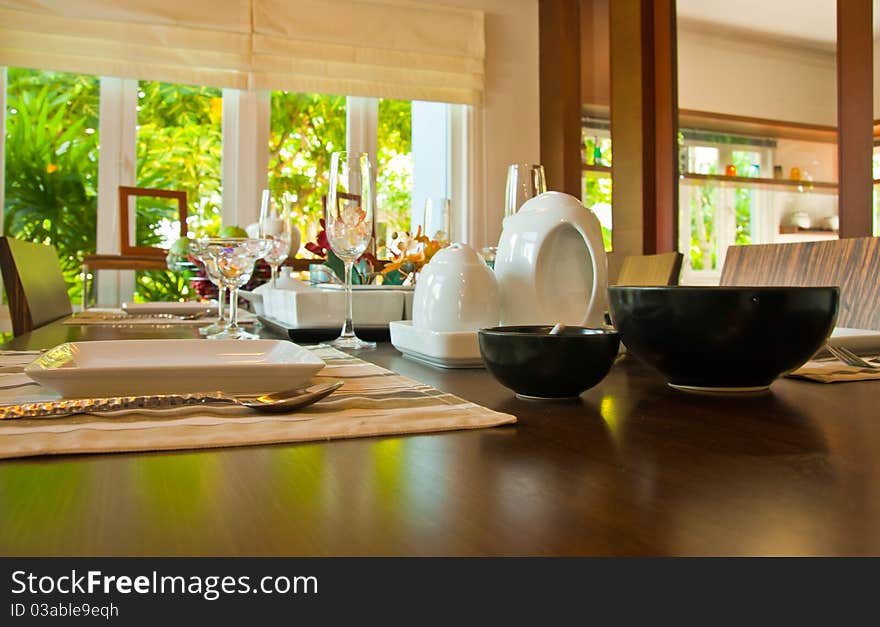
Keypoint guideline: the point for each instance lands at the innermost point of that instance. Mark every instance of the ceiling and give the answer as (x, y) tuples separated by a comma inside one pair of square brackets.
[(811, 21)]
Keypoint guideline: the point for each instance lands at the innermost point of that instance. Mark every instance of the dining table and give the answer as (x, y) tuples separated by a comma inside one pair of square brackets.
[(630, 468)]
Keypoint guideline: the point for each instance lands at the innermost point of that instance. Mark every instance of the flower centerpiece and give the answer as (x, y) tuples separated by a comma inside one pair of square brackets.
[(321, 247), (408, 255)]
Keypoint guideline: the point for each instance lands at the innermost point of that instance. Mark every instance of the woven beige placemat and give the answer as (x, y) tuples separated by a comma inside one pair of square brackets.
[(373, 401)]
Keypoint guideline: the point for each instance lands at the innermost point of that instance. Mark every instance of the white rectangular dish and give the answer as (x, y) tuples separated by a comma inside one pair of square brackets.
[(141, 367), (436, 348), (859, 341), (309, 307), (170, 308)]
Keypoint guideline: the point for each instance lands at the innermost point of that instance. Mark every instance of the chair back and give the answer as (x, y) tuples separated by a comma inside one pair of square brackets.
[(648, 270), (35, 287), (126, 247), (853, 265)]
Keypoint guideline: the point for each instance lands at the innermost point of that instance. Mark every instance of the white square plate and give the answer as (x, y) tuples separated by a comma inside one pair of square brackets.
[(141, 367), (173, 308)]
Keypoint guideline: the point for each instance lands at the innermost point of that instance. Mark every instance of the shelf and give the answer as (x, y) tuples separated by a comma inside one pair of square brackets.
[(747, 181), (596, 168)]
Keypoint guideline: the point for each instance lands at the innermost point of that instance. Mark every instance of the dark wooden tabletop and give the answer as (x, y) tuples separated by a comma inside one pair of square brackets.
[(632, 468)]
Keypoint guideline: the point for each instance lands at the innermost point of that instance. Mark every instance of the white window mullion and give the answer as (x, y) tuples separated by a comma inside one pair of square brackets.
[(246, 127), (362, 135), (117, 128), (467, 178)]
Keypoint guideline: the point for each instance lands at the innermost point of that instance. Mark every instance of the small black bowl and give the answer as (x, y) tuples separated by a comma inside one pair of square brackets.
[(535, 364), (723, 339)]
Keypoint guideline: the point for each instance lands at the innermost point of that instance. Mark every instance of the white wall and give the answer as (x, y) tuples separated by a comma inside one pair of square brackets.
[(508, 121), (756, 77)]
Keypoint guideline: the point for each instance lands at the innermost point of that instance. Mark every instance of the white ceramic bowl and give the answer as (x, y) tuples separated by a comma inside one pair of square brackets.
[(456, 291)]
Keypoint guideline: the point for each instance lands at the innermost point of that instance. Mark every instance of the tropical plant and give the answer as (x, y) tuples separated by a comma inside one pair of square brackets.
[(305, 130), (52, 164)]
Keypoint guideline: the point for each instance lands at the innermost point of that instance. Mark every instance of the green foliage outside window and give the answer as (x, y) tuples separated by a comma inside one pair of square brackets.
[(395, 168), (179, 147), (305, 129), (596, 188), (51, 174)]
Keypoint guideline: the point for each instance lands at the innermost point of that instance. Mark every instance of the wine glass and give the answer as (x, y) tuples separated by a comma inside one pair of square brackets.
[(199, 250), (235, 259), (349, 226), (276, 228), (524, 181), (438, 220)]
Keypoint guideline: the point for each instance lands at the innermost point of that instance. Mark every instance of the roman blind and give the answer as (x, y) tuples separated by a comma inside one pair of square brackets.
[(378, 48)]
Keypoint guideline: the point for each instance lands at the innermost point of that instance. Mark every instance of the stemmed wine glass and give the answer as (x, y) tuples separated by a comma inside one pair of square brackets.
[(235, 259), (199, 250), (524, 181), (349, 227), (438, 220), (276, 227)]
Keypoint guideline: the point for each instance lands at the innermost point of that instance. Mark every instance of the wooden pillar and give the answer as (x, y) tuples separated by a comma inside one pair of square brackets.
[(661, 212), (560, 87), (644, 126), (855, 116)]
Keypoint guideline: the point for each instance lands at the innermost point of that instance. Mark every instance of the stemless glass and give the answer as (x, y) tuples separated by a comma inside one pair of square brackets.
[(235, 259), (277, 228), (349, 225), (524, 181), (200, 250)]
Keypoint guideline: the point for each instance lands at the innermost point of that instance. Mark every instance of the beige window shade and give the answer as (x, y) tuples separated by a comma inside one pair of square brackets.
[(379, 48)]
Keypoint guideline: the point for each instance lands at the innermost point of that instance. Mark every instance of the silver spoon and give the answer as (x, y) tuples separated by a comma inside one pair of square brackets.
[(276, 402), (557, 329)]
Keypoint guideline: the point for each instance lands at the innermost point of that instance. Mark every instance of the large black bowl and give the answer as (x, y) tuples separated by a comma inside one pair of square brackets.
[(723, 338), (534, 364)]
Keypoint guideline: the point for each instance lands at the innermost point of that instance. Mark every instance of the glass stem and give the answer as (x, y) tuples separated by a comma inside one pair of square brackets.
[(348, 326), (221, 309), (274, 273), (233, 309)]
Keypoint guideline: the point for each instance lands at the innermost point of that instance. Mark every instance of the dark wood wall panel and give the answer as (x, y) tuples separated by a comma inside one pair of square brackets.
[(851, 264), (855, 116), (560, 98)]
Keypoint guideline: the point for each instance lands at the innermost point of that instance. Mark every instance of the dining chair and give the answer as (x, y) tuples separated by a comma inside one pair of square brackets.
[(851, 264), (35, 288), (132, 256), (647, 270)]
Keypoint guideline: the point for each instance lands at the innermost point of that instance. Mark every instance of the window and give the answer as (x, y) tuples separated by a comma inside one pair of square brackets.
[(596, 175), (171, 136), (305, 129), (51, 164), (180, 147), (394, 170)]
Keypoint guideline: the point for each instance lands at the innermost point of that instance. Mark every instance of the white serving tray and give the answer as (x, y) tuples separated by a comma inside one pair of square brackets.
[(140, 367), (304, 307), (459, 349)]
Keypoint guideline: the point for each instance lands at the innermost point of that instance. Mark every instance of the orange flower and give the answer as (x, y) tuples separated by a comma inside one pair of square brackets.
[(51, 168)]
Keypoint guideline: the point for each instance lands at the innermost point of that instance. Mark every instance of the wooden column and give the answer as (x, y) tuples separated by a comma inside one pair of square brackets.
[(644, 126), (661, 212), (855, 116), (560, 86)]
